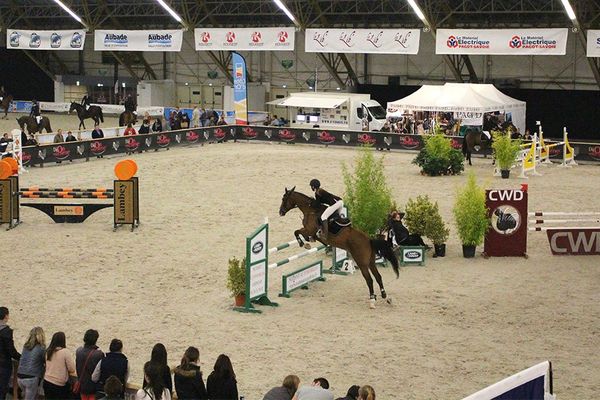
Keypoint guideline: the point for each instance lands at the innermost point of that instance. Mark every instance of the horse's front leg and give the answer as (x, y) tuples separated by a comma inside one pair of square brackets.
[(299, 234)]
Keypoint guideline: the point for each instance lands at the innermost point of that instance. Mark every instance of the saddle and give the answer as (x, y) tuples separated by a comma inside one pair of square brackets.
[(337, 223)]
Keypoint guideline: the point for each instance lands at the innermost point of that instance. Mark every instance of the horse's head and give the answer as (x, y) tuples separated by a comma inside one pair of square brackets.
[(73, 107), (287, 202), (21, 122)]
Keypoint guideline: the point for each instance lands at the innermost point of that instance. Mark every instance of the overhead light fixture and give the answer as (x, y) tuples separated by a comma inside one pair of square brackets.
[(100, 84), (210, 84), (286, 10), (417, 10), (123, 84), (569, 10), (71, 13), (170, 11), (186, 84), (284, 86), (310, 87), (77, 83), (338, 88)]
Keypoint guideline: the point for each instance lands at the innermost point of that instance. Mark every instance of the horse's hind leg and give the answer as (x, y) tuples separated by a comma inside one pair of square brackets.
[(378, 278), (364, 270)]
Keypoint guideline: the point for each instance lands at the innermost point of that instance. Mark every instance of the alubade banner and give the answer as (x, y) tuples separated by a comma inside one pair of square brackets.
[(381, 41), (240, 92), (266, 39), (19, 39), (593, 43), (152, 40), (502, 41)]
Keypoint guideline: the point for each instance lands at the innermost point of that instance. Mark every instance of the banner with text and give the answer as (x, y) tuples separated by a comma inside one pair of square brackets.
[(380, 41), (244, 38), (511, 42), (593, 43), (152, 40), (20, 39), (240, 91)]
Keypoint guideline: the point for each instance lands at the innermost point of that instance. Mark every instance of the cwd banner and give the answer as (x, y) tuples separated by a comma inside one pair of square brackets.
[(19, 39), (152, 40), (381, 41), (244, 38), (510, 42), (240, 92), (593, 43)]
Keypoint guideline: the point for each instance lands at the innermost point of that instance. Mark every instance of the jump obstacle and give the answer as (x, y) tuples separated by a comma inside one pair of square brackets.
[(258, 266), (538, 153), (125, 195)]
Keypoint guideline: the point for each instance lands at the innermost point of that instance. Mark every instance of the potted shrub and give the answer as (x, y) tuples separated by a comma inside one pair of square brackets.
[(438, 157), (470, 215), (236, 280), (417, 211), (436, 231), (505, 151)]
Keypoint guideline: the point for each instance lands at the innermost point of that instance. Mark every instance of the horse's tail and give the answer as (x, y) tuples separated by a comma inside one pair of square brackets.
[(465, 145), (48, 127), (101, 115), (385, 249), (121, 118)]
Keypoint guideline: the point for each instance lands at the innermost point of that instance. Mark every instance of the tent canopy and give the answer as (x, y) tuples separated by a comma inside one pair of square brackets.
[(460, 97)]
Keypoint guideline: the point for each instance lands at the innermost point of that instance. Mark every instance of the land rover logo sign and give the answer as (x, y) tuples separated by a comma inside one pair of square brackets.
[(257, 248), (412, 255)]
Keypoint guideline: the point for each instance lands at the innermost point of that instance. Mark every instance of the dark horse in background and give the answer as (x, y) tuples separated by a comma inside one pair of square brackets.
[(93, 112), (475, 140), (5, 104), (362, 248), (127, 117), (33, 126)]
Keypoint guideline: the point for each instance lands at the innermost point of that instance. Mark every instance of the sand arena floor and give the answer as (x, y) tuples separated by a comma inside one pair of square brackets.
[(456, 325)]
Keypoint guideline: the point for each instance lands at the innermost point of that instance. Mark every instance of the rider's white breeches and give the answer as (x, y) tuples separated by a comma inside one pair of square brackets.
[(338, 205)]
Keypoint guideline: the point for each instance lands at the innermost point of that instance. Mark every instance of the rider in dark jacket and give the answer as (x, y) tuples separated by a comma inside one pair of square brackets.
[(334, 204), (130, 104), (86, 102)]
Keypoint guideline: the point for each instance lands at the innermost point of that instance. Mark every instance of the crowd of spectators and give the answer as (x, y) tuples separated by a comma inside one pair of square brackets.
[(89, 374)]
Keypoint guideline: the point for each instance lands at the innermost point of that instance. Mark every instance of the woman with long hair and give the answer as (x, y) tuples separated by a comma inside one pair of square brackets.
[(159, 357), (59, 367), (31, 364), (366, 392), (221, 383), (286, 391), (188, 377), (153, 389)]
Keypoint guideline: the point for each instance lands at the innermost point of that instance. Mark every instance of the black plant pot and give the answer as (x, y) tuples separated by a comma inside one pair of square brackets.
[(468, 251), (505, 173), (440, 250)]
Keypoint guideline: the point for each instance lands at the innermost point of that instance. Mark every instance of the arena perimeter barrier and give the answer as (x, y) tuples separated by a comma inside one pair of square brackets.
[(125, 195), (258, 266)]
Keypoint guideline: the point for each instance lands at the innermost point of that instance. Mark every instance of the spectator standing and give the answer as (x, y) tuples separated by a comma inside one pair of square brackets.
[(115, 364), (113, 389), (130, 130), (153, 389), (7, 352), (366, 392), (204, 117), (97, 133), (185, 120), (86, 359), (196, 117), (286, 391), (30, 140), (222, 121), (159, 357), (4, 140), (352, 393), (145, 128), (70, 137), (59, 367), (157, 125), (189, 384), (59, 138), (221, 383), (318, 390), (31, 365)]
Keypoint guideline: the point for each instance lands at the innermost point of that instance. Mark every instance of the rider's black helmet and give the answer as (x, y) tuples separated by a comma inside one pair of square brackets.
[(315, 184)]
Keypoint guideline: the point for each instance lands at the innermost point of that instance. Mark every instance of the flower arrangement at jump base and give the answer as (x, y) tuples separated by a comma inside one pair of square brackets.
[(423, 218), (438, 157), (471, 216), (236, 280), (505, 151)]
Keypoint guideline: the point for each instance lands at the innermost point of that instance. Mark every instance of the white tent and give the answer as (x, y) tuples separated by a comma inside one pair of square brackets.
[(460, 97)]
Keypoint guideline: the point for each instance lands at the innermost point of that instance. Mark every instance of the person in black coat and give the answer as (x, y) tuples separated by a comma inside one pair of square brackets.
[(352, 393), (188, 377), (157, 125), (221, 383), (159, 357), (115, 364), (97, 132), (145, 128), (7, 352), (399, 234)]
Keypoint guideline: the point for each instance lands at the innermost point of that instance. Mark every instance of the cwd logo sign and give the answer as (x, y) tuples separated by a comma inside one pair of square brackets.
[(593, 43), (574, 241)]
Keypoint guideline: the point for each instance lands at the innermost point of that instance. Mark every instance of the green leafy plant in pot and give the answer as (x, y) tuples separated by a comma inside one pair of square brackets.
[(236, 280), (436, 231), (505, 151), (417, 211), (470, 215)]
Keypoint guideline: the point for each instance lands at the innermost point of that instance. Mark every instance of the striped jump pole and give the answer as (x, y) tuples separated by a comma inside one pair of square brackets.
[(295, 256), (40, 189), (282, 246), (561, 221), (65, 195), (561, 214), (572, 228)]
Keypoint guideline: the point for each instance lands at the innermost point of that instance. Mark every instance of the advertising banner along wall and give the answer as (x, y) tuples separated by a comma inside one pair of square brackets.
[(593, 43), (266, 39), (382, 41), (502, 41), (152, 40), (19, 39)]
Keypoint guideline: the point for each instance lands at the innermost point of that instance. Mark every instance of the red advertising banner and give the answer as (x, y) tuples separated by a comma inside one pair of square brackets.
[(574, 241), (507, 236)]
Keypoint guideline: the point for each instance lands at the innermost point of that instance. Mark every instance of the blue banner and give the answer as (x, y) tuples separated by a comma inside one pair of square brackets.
[(240, 91)]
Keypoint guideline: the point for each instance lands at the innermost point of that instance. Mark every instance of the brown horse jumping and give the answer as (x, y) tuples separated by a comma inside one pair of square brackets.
[(5, 104), (32, 125), (362, 249), (127, 117)]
